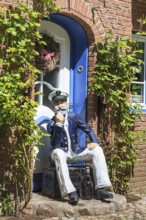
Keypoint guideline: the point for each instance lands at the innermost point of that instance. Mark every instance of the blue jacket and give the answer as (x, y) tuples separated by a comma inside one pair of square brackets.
[(59, 137)]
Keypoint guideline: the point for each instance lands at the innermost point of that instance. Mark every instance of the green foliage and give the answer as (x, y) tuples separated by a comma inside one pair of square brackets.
[(116, 59), (7, 206), (18, 36), (45, 7)]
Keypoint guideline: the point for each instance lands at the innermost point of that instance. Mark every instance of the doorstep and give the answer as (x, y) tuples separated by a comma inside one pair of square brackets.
[(41, 205)]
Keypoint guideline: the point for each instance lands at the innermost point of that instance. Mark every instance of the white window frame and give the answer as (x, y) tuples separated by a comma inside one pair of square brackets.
[(142, 39)]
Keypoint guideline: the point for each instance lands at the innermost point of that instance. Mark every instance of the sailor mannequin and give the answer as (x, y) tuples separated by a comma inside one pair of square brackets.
[(65, 149)]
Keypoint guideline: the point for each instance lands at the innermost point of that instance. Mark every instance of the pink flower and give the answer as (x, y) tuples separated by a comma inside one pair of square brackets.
[(48, 56)]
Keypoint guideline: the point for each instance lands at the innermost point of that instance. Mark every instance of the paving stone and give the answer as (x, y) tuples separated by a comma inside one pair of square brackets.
[(130, 206), (47, 210), (68, 211)]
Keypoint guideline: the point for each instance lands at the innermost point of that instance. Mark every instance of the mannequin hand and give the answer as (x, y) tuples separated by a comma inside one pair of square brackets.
[(59, 118), (91, 146)]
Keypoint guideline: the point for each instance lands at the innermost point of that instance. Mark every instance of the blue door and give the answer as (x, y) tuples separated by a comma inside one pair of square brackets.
[(78, 65)]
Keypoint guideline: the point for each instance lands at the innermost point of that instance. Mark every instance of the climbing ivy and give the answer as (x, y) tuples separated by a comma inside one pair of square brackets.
[(113, 75), (19, 132)]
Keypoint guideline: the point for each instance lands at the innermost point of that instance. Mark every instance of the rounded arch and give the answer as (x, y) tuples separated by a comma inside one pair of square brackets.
[(84, 12)]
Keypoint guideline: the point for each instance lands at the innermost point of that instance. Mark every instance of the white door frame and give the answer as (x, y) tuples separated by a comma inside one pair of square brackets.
[(60, 36)]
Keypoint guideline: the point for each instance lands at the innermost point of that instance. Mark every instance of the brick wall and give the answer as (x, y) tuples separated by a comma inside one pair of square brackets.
[(138, 182), (97, 17)]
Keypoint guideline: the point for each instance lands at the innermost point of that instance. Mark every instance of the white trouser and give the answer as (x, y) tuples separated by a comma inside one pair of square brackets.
[(97, 157)]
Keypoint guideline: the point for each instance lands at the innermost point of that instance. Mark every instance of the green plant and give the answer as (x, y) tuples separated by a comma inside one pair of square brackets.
[(7, 206), (116, 59), (18, 37)]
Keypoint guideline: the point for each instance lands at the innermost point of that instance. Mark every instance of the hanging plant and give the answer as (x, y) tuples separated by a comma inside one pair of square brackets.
[(49, 54)]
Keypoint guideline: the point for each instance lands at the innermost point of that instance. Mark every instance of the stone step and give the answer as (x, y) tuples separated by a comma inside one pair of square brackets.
[(43, 206)]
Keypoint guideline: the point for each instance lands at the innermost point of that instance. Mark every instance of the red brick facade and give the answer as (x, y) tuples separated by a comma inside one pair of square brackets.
[(97, 17), (138, 182)]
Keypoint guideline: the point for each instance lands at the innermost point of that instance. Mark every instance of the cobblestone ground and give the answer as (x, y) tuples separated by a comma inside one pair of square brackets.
[(136, 209)]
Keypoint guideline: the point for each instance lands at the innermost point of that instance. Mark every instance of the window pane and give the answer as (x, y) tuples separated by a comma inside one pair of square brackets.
[(51, 77), (140, 47), (137, 93), (140, 76)]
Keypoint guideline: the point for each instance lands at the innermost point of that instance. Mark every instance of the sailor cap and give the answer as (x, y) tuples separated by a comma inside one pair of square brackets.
[(58, 95)]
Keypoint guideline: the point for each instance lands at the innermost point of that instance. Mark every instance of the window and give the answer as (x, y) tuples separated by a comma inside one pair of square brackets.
[(55, 70), (43, 86), (138, 87)]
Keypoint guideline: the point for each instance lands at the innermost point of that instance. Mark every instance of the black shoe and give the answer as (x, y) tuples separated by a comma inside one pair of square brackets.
[(73, 198), (102, 194)]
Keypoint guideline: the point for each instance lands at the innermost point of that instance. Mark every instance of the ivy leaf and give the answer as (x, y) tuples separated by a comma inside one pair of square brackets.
[(22, 28), (12, 31)]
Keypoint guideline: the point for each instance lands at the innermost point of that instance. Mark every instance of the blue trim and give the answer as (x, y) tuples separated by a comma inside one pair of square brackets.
[(41, 119)]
